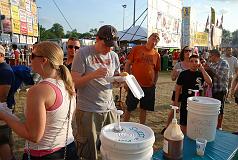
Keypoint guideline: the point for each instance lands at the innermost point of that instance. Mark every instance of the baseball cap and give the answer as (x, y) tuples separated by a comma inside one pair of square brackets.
[(108, 34), (215, 52), (2, 50)]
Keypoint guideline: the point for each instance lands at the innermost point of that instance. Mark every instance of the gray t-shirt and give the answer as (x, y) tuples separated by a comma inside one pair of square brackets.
[(96, 95), (233, 64)]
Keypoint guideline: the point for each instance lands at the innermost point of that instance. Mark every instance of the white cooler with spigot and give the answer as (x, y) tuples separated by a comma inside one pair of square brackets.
[(134, 141), (202, 117)]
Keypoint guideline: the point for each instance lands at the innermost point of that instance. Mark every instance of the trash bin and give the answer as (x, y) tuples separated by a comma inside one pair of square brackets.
[(165, 62)]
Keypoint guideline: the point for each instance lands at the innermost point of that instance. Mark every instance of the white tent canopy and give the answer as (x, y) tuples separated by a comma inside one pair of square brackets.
[(133, 34)]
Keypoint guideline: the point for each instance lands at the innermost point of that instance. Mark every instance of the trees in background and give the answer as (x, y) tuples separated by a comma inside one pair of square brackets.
[(57, 31), (235, 38), (226, 38), (229, 38)]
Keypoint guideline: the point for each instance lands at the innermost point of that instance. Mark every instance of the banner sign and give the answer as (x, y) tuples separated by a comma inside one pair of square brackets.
[(15, 12), (35, 30), (22, 39), (16, 26), (15, 38), (35, 19), (6, 39), (5, 9), (15, 2), (29, 40), (34, 40), (22, 4), (22, 15), (29, 29), (186, 26), (216, 36), (33, 8), (201, 39), (5, 1), (213, 16), (164, 17), (24, 28), (28, 5), (29, 17)]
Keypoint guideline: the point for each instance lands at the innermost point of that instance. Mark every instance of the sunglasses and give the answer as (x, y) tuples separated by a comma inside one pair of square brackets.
[(71, 47), (188, 50), (34, 55)]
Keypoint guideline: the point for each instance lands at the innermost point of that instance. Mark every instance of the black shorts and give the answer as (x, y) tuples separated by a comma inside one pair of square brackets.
[(5, 134), (147, 102), (183, 116), (173, 97), (236, 100)]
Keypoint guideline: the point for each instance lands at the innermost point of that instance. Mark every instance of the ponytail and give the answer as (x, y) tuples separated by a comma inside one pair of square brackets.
[(67, 79)]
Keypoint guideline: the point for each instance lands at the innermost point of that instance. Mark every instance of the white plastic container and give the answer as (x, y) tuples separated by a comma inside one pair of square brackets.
[(202, 117), (131, 83), (134, 86), (135, 141)]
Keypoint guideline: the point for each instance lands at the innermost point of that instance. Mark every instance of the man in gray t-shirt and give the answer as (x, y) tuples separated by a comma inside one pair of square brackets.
[(90, 66)]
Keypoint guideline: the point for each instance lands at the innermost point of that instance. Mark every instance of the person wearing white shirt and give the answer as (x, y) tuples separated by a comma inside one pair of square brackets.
[(233, 64)]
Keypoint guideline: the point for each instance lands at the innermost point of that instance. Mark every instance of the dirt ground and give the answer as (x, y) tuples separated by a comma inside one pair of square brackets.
[(156, 120)]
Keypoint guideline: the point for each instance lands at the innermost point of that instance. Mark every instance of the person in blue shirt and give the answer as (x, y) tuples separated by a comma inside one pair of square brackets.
[(6, 96)]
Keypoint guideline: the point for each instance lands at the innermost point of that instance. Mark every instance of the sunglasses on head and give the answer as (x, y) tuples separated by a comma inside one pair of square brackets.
[(71, 47), (109, 38), (34, 55)]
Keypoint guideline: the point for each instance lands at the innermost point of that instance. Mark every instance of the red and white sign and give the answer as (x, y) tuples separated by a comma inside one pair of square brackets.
[(24, 28)]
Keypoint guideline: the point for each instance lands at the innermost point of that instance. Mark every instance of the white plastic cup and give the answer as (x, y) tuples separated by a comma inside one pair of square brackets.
[(200, 146)]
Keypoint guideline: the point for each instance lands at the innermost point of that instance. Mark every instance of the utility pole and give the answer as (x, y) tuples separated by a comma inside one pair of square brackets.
[(124, 6), (134, 13)]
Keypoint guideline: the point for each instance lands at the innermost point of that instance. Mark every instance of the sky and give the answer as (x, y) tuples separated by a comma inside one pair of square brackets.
[(86, 14)]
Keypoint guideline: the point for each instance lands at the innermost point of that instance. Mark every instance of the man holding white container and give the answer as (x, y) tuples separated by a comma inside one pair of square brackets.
[(90, 69), (144, 63)]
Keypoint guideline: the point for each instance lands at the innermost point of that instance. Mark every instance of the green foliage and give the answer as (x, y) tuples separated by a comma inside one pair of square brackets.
[(72, 33), (235, 38), (226, 37), (93, 31), (57, 31)]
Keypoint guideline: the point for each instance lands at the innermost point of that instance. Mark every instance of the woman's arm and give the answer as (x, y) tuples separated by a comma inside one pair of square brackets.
[(33, 127)]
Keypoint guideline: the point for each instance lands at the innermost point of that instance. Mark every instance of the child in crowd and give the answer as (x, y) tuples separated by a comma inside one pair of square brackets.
[(189, 79)]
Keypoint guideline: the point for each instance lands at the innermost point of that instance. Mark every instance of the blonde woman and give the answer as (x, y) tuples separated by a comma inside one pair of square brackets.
[(49, 107)]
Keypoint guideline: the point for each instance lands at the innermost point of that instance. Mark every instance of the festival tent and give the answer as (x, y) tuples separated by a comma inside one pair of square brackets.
[(136, 33)]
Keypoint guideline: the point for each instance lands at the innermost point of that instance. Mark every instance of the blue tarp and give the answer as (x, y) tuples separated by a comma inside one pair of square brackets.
[(224, 147)]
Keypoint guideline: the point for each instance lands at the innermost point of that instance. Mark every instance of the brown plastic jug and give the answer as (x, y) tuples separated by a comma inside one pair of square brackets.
[(173, 140)]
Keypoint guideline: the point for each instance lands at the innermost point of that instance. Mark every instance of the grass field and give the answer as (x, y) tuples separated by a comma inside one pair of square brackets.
[(156, 120)]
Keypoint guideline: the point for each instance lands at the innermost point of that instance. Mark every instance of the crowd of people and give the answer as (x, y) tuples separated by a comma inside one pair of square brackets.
[(66, 110)]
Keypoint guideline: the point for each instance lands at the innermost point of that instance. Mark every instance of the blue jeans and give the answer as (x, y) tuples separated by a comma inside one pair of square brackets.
[(71, 154)]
